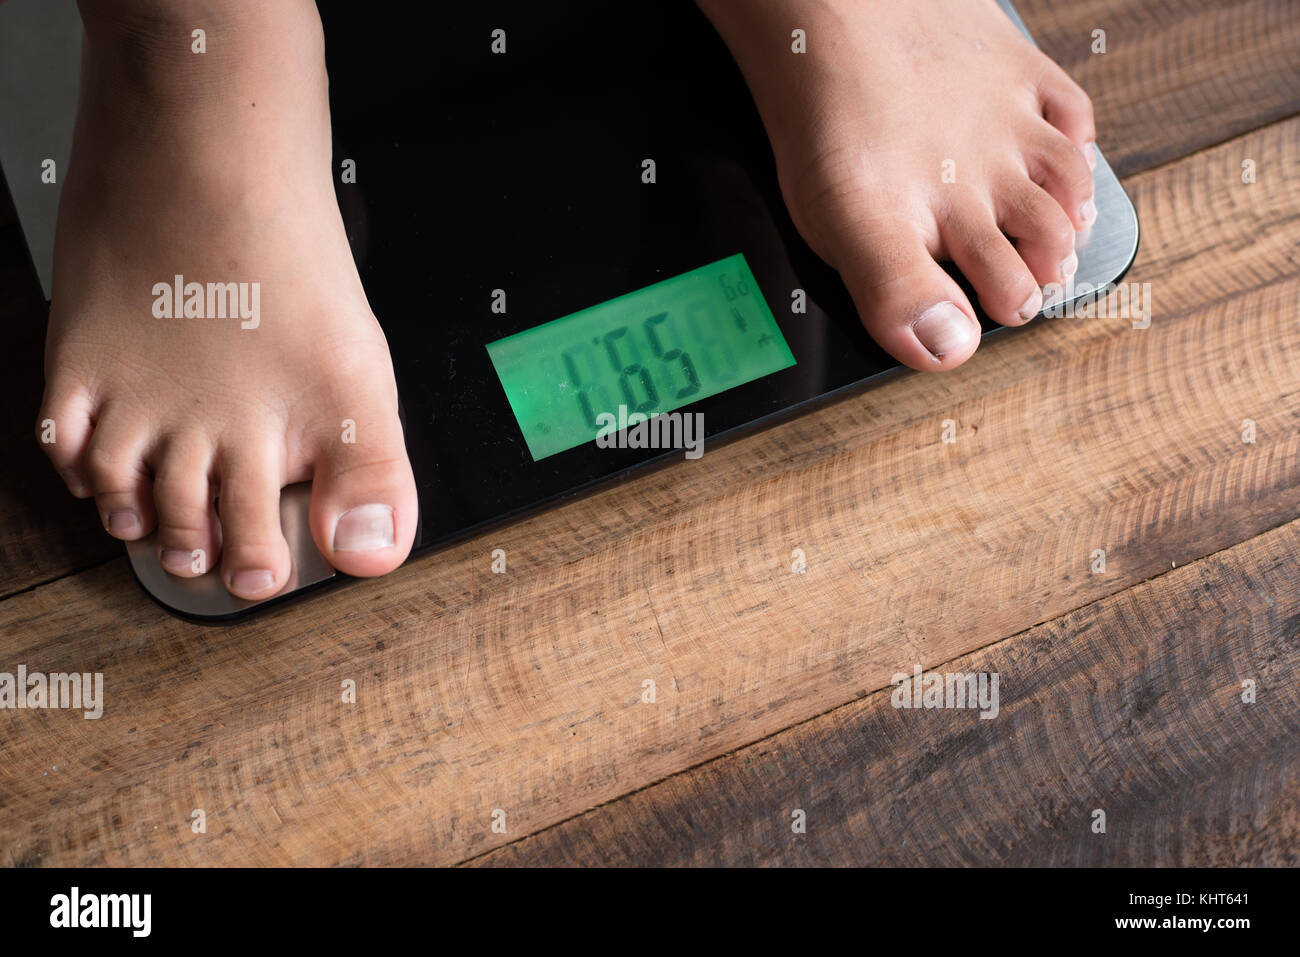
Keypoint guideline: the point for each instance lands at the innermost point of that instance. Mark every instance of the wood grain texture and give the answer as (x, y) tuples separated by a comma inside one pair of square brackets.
[(1177, 75), (1132, 705), (523, 692)]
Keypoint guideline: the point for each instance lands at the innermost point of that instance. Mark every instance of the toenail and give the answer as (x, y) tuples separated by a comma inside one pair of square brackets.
[(945, 329), (122, 522), (1090, 154), (1088, 212), (364, 529), (1033, 305), (176, 560), (251, 581), (1070, 265)]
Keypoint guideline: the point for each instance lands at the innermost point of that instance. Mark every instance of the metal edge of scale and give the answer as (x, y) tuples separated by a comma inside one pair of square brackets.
[(1105, 250)]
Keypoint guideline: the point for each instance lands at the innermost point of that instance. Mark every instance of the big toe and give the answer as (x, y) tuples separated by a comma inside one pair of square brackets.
[(364, 509), (909, 304)]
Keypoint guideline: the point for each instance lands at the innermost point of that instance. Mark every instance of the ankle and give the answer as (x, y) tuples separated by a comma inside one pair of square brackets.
[(194, 52), (252, 94)]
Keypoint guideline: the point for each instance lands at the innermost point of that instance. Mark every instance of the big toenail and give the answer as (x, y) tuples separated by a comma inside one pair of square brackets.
[(1070, 265), (364, 529), (1090, 154), (1032, 305), (251, 581), (123, 522), (176, 560), (1088, 212), (945, 329)]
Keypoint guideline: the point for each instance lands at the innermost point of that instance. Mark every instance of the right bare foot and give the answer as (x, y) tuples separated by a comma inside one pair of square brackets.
[(891, 95), (216, 166)]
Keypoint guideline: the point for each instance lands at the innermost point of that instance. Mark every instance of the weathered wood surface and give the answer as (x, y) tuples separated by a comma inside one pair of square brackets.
[(1131, 705), (523, 692)]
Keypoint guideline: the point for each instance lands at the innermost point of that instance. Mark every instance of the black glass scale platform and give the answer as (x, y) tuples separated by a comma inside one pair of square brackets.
[(565, 238)]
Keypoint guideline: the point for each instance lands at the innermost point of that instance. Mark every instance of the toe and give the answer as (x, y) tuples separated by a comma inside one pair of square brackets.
[(1007, 291), (64, 428), (364, 509), (909, 304), (123, 487), (255, 561), (189, 541), (1043, 233), (1064, 104), (1059, 166)]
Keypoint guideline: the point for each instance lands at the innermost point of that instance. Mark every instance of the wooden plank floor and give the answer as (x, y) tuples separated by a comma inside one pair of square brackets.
[(478, 693)]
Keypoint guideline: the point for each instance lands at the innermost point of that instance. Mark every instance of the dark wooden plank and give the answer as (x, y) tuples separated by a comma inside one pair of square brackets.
[(1177, 75), (1132, 705)]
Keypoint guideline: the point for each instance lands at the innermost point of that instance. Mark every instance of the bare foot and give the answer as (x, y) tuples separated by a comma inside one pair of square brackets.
[(215, 167), (920, 130)]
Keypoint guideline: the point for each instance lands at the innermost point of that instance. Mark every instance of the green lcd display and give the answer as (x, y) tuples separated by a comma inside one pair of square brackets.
[(650, 351)]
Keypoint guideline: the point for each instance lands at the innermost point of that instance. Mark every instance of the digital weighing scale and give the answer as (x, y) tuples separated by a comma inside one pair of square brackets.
[(526, 274)]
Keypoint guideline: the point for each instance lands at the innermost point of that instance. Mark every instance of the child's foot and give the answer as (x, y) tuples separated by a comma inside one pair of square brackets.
[(215, 166), (913, 131)]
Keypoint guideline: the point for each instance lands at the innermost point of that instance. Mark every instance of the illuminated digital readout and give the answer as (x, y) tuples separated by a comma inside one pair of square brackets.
[(650, 351)]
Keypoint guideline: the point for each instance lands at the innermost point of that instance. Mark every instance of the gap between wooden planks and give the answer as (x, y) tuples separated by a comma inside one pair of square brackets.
[(522, 692)]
